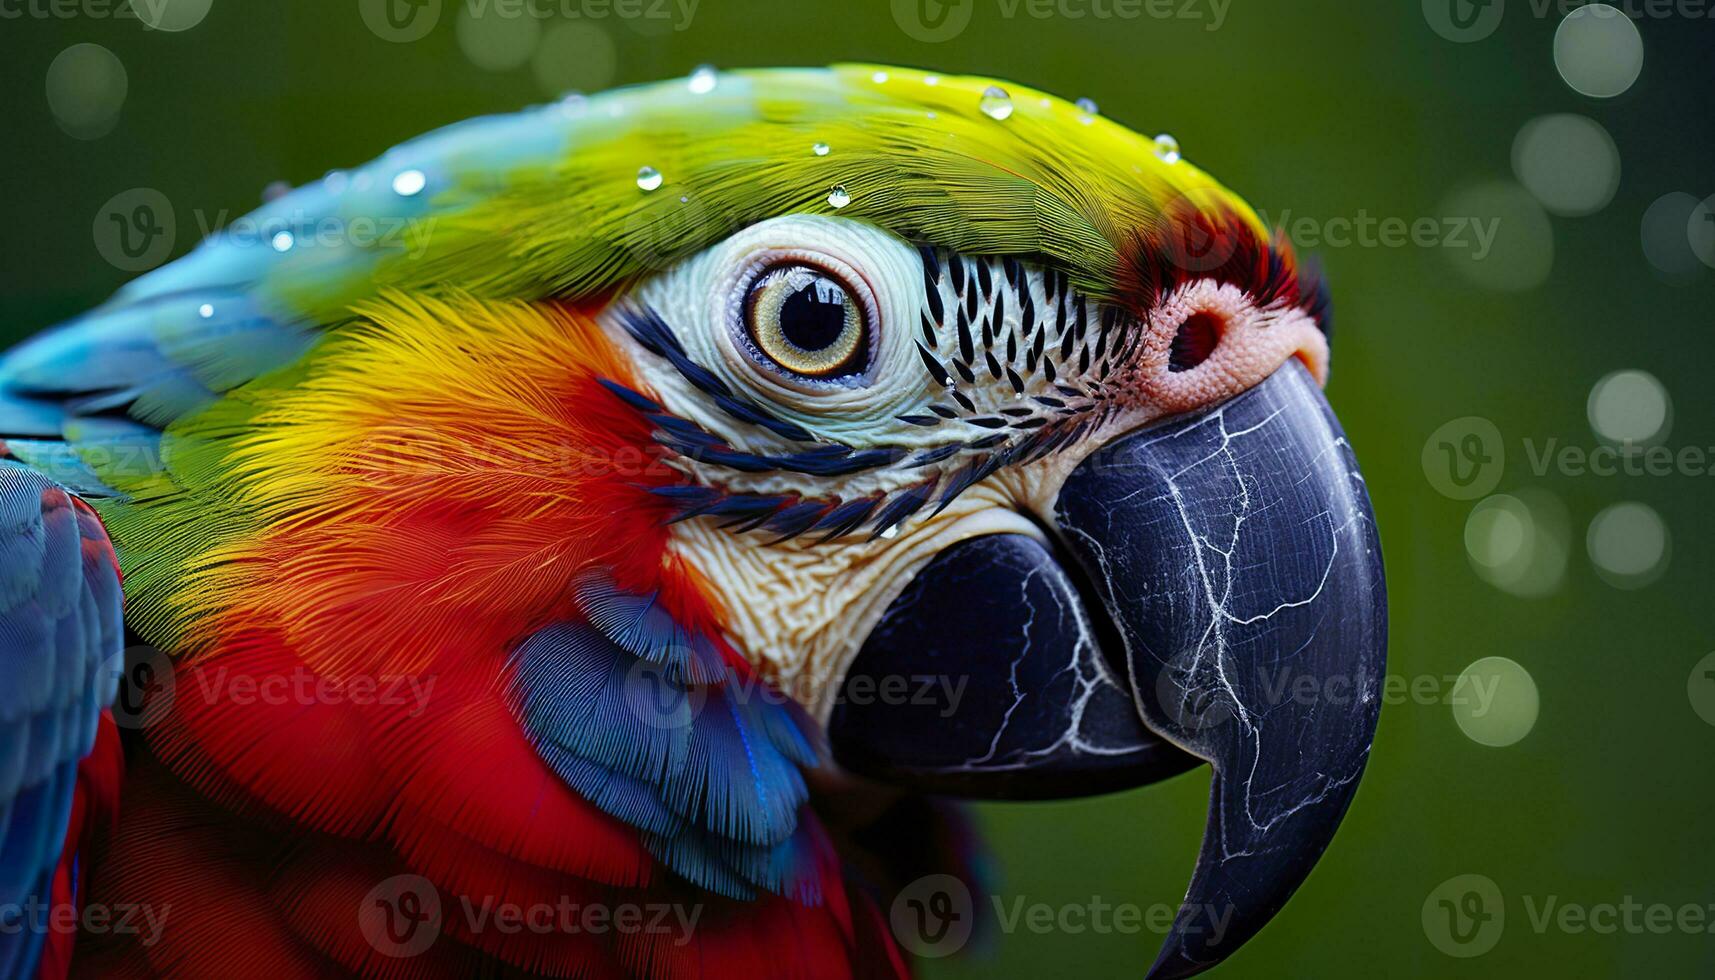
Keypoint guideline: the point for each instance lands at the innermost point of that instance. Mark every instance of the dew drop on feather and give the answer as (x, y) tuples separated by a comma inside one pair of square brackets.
[(702, 80), (408, 183), (649, 178), (1167, 148), (819, 149), (996, 104), (838, 196), (1088, 106)]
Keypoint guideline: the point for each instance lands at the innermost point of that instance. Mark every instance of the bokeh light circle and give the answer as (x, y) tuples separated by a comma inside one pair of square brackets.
[(1495, 702), (1598, 51), (1519, 544), (498, 38), (1701, 232), (1629, 545), (86, 88), (1498, 532), (1569, 162), (1511, 242), (575, 55), (1664, 233), (172, 15), (1630, 406)]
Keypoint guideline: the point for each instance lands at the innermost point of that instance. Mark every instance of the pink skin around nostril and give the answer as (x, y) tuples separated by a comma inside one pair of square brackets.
[(1252, 344)]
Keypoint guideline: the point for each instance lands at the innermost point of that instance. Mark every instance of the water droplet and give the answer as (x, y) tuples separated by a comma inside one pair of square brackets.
[(1088, 106), (931, 79), (283, 241), (996, 104), (819, 149), (206, 310), (648, 178), (878, 77), (1167, 148), (336, 181), (838, 196), (703, 80), (572, 104), (407, 183)]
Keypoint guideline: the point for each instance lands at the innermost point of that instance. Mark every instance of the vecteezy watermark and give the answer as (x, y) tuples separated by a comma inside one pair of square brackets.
[(658, 695), (1465, 916), (1464, 21), (303, 686), (934, 21), (166, 14), (1463, 233), (136, 230), (403, 21), (404, 915), (141, 922), (1465, 458), (936, 916), (1197, 706), (146, 686), (400, 21)]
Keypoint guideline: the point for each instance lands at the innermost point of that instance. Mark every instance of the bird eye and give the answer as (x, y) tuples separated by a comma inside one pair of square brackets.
[(807, 322)]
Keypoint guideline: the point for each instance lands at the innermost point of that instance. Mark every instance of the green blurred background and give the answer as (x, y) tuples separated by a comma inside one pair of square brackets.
[(1321, 112)]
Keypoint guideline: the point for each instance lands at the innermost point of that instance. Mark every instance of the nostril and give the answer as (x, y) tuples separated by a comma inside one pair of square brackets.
[(1195, 341)]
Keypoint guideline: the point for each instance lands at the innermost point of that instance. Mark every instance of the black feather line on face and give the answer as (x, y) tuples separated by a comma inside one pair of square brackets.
[(653, 333), (1031, 428)]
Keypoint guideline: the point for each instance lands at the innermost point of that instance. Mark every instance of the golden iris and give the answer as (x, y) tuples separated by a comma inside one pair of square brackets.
[(807, 322)]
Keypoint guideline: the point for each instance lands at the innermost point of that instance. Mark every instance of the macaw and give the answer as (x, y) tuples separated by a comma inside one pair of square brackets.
[(664, 502)]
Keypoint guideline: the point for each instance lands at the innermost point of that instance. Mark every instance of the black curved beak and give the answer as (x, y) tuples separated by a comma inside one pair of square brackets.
[(1215, 594)]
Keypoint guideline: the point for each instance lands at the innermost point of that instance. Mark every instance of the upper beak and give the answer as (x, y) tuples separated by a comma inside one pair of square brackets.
[(1218, 596)]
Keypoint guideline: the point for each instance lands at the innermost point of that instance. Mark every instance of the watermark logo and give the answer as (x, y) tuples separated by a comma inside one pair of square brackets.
[(1464, 21), (1464, 916), (933, 21), (141, 923), (658, 698), (1465, 458), (1700, 688), (400, 21), (933, 916), (134, 231), (1469, 234), (145, 687), (1191, 702), (401, 917)]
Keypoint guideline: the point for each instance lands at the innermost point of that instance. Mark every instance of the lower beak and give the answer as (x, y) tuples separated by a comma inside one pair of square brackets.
[(1217, 596)]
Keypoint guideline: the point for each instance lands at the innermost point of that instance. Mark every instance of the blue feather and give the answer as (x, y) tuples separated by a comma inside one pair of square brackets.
[(60, 633), (709, 769)]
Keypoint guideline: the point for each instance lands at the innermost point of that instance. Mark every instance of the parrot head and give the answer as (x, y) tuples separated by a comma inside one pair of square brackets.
[(941, 418), (1023, 412)]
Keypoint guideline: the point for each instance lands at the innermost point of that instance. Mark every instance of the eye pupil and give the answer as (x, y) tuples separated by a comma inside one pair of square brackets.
[(803, 321), (814, 317)]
